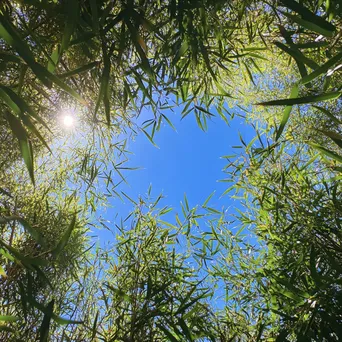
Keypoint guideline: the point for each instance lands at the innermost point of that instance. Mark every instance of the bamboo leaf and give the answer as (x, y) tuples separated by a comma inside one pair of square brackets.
[(25, 146), (320, 23), (303, 100), (9, 34), (8, 318), (337, 138), (322, 69), (327, 113), (72, 12), (36, 235), (25, 260), (65, 238), (95, 325), (45, 326), (53, 61), (297, 55), (95, 16), (326, 152), (79, 70), (287, 111), (208, 199)]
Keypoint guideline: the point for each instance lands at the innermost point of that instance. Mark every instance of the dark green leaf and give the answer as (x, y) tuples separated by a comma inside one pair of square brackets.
[(322, 69), (287, 111), (303, 100), (45, 326), (65, 238), (25, 146)]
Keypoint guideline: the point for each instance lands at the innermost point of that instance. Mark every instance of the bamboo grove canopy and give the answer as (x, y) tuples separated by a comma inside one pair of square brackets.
[(279, 62)]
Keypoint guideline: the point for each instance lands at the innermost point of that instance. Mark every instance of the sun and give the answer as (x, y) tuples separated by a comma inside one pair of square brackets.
[(68, 118), (68, 121)]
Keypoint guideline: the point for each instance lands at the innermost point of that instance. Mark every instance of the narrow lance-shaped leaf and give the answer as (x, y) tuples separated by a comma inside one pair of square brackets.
[(297, 55), (20, 104), (95, 325), (140, 47), (45, 326), (104, 86), (337, 138), (58, 319), (322, 69), (25, 147), (94, 14), (25, 260), (72, 12), (310, 17), (303, 100), (9, 34), (8, 318), (326, 152), (287, 111), (36, 235), (52, 64), (312, 26), (65, 238), (328, 114), (79, 70)]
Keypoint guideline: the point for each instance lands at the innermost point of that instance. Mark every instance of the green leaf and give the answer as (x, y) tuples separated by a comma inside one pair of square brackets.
[(8, 57), (208, 199), (9, 34), (297, 55), (130, 199), (287, 111), (326, 112), (104, 86), (36, 235), (204, 110), (65, 238), (337, 138), (45, 326), (79, 70), (322, 69), (310, 45), (303, 100), (25, 260), (149, 138), (2, 272), (7, 318), (95, 325), (326, 152), (18, 104), (140, 46), (58, 319), (120, 293), (309, 25), (169, 122), (320, 23), (181, 52), (185, 328), (53, 61), (249, 73), (25, 146), (72, 12), (95, 16), (169, 334)]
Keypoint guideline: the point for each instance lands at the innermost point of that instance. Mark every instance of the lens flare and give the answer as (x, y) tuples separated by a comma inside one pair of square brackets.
[(68, 120)]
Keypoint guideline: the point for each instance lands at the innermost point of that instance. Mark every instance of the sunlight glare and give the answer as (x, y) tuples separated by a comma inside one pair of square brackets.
[(68, 120)]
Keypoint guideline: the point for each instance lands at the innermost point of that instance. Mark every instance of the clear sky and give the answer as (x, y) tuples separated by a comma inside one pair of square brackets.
[(187, 161)]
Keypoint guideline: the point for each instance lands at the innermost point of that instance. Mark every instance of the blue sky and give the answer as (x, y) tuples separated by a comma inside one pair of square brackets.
[(187, 161)]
